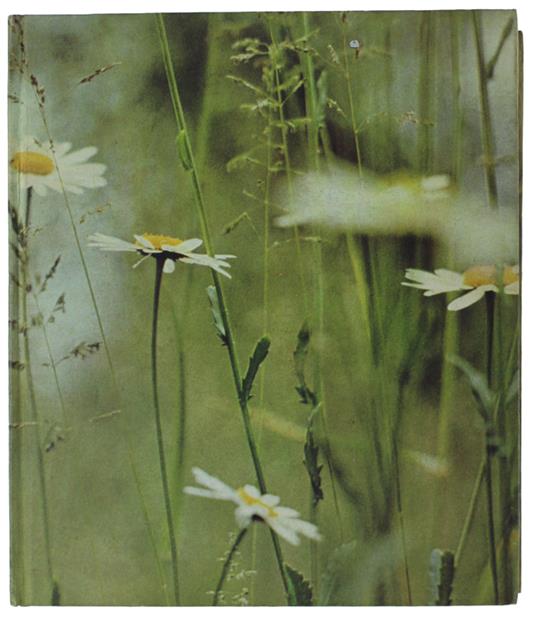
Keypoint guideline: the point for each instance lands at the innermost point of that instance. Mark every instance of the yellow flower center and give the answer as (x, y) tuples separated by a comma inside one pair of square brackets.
[(161, 240), (252, 502), (29, 162), (487, 275)]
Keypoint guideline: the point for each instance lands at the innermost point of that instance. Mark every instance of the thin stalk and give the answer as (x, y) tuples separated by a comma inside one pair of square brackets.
[(425, 148), (126, 433), (457, 161), (159, 432), (485, 117), (205, 232), (311, 104), (490, 303), (470, 512), (286, 156), (227, 565), (372, 309), (43, 492)]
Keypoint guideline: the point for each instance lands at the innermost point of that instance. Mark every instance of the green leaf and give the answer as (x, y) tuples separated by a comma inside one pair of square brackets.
[(184, 150), (310, 451), (258, 357), (300, 592), (513, 391), (441, 577), (216, 315), (300, 356), (484, 396)]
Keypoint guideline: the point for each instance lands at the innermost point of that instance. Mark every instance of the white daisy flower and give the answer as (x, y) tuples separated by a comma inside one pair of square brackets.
[(477, 280), (252, 505), (35, 167), (171, 249)]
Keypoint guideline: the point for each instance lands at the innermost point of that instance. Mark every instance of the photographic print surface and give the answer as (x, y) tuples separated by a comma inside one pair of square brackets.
[(264, 308)]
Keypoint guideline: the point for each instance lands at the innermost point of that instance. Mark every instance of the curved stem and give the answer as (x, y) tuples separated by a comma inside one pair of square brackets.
[(205, 232), (470, 513), (159, 434), (227, 564), (43, 494)]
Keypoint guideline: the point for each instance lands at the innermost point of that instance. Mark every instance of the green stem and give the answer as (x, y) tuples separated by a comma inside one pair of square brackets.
[(456, 102), (490, 302), (159, 433), (286, 155), (205, 232), (43, 493), (485, 116), (227, 565), (470, 512)]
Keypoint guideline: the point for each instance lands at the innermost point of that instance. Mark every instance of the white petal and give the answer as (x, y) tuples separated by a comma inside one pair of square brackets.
[(283, 530), (144, 242), (169, 266), (252, 491), (470, 298), (185, 246), (270, 500), (223, 490), (205, 493), (109, 243), (243, 516), (512, 288), (76, 157)]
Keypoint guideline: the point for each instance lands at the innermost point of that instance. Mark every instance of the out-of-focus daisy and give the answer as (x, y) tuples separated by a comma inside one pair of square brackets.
[(341, 201), (35, 167), (477, 280), (252, 505), (171, 249)]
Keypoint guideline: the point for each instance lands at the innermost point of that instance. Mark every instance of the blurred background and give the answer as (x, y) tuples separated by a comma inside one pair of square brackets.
[(414, 87)]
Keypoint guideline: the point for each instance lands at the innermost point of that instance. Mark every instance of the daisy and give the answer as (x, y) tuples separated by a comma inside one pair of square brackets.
[(170, 249), (252, 505), (477, 280), (36, 168)]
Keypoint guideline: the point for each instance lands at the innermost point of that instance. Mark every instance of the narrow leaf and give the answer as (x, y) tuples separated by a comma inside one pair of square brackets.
[(310, 451), (184, 151), (484, 397), (300, 355), (258, 357), (441, 577), (216, 315), (300, 590)]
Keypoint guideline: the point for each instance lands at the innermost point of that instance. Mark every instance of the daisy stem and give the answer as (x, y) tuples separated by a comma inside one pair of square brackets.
[(205, 232), (42, 484), (227, 565), (159, 260), (490, 304), (485, 116)]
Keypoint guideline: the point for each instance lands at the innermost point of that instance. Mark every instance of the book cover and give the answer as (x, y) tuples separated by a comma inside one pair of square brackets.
[(264, 308)]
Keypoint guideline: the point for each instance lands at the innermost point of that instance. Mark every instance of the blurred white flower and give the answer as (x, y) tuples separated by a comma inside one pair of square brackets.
[(171, 248), (478, 280), (35, 167), (400, 204), (252, 505)]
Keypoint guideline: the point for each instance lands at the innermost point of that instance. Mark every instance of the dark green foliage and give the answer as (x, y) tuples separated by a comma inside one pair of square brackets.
[(300, 590), (255, 361), (441, 577), (310, 451)]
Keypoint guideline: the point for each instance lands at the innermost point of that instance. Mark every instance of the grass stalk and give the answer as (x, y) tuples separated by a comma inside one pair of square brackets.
[(470, 512), (365, 272), (54, 590), (205, 232), (275, 53), (485, 116), (227, 565), (159, 260)]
